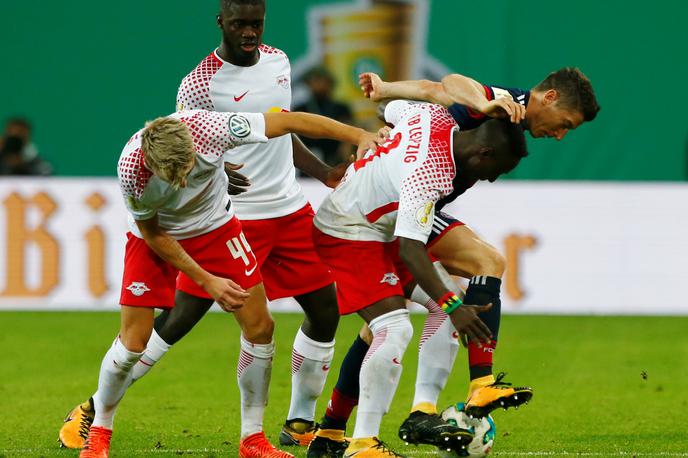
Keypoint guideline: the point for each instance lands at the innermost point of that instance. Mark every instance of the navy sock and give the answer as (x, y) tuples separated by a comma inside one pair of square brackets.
[(483, 290)]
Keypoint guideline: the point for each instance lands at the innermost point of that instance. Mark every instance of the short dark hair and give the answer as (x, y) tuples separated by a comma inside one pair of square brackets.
[(227, 4), (504, 135), (575, 91)]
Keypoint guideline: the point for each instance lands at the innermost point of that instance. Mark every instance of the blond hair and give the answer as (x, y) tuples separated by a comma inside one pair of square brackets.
[(168, 149)]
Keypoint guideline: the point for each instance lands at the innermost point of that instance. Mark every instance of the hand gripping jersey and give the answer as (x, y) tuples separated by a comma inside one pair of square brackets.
[(468, 119), (217, 85), (200, 206), (392, 191)]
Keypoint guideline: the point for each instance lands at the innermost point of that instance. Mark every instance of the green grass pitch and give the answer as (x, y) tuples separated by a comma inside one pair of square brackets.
[(604, 386)]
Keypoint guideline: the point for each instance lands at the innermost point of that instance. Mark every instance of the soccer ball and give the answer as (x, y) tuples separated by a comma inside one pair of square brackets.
[(483, 428)]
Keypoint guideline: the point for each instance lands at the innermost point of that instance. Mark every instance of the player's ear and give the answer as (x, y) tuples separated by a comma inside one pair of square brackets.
[(551, 96), (218, 18)]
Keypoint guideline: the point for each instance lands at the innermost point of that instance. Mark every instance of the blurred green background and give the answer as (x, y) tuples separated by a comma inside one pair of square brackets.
[(89, 74)]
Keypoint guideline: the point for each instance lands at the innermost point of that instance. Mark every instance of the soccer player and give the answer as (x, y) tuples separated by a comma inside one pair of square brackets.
[(372, 232), (561, 102), (244, 74), (187, 248)]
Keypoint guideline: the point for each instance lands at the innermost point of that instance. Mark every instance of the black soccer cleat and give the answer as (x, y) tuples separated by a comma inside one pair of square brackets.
[(431, 429)]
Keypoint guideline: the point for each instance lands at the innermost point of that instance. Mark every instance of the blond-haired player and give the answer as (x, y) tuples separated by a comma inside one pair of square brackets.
[(186, 246)]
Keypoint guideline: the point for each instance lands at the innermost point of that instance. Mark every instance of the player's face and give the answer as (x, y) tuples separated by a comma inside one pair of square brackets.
[(554, 121), (242, 31), (550, 119), (490, 166)]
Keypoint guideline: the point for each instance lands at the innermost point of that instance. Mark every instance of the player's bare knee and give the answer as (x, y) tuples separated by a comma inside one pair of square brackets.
[(492, 263), (260, 331), (325, 318), (134, 343)]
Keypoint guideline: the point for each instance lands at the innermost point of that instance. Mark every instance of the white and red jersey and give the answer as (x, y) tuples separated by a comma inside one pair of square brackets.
[(393, 190), (200, 207), (221, 86)]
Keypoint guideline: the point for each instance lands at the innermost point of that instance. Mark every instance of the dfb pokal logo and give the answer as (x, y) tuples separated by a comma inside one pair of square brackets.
[(239, 126)]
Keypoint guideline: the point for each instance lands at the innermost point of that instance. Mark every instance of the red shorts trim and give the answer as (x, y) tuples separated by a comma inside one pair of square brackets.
[(148, 281), (286, 256), (365, 271)]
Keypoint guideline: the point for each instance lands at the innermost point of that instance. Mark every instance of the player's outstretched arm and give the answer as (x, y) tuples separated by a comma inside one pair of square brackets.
[(378, 90), (470, 93), (465, 91), (311, 165), (464, 318), (225, 292), (316, 126)]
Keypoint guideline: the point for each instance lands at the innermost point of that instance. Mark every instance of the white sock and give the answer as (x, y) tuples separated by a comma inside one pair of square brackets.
[(253, 374), (310, 364), (155, 350), (114, 378), (381, 370), (437, 351), (439, 344)]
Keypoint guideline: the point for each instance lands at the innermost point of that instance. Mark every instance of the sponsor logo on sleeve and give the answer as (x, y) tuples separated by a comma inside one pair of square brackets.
[(239, 126), (425, 215)]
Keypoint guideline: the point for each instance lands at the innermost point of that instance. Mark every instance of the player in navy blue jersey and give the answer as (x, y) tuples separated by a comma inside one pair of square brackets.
[(561, 102)]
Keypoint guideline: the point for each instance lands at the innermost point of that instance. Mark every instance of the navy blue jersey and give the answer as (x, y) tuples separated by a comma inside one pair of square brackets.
[(468, 119)]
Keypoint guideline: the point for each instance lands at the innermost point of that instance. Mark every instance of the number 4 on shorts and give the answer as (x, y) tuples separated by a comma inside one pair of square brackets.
[(240, 248)]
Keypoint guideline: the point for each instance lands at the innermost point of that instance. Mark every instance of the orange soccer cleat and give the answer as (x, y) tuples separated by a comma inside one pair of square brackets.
[(78, 421), (485, 399), (369, 447), (257, 446), (97, 444)]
